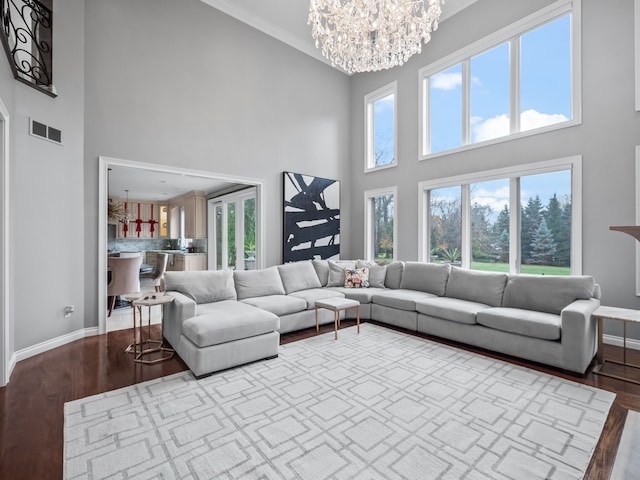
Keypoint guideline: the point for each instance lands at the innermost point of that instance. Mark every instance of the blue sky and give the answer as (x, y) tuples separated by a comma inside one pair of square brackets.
[(545, 99)]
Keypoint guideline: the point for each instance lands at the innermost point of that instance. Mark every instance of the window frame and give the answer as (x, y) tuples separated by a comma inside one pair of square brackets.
[(573, 163), (510, 34), (369, 126), (369, 220)]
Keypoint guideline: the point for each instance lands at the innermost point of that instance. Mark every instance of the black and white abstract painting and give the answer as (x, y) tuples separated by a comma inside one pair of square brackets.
[(311, 218)]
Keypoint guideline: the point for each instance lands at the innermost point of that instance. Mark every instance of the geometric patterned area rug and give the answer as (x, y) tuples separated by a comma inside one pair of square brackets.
[(627, 463), (379, 405)]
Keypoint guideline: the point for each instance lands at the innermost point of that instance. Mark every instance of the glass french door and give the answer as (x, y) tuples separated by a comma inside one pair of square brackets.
[(233, 240)]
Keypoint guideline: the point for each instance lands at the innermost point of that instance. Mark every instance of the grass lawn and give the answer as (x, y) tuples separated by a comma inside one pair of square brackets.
[(534, 269)]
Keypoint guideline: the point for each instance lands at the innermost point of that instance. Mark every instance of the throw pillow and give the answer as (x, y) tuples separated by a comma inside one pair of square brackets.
[(356, 278)]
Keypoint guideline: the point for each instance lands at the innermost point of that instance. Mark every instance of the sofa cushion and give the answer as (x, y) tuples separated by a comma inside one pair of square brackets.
[(298, 276), (278, 304), (258, 283), (546, 326), (356, 278), (454, 309), (393, 276), (363, 295), (204, 286), (322, 270), (475, 286), (401, 299), (377, 273), (310, 296), (425, 277), (336, 272), (544, 293), (230, 321)]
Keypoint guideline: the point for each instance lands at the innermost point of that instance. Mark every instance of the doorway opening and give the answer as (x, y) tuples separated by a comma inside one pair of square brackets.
[(162, 186)]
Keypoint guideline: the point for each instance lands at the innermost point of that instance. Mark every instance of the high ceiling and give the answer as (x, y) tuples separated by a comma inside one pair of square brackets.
[(286, 20)]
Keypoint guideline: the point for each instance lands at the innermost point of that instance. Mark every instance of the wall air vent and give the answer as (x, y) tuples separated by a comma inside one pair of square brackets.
[(45, 132)]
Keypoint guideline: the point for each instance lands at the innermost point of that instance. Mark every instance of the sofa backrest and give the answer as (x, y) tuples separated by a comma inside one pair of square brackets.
[(258, 283), (425, 277), (336, 271), (475, 286), (393, 275), (298, 276), (546, 293), (204, 286), (377, 273)]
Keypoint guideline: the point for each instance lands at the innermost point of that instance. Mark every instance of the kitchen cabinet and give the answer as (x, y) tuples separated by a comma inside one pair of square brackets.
[(195, 215), (188, 262)]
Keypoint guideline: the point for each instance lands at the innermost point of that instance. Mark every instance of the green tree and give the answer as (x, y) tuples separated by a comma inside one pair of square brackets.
[(501, 235), (531, 218), (446, 224), (543, 246), (482, 248)]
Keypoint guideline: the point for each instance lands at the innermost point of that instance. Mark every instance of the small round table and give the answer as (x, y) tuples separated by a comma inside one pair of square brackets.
[(143, 348), (337, 305)]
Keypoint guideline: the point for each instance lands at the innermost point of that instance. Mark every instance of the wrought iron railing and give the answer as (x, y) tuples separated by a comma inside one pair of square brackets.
[(27, 38)]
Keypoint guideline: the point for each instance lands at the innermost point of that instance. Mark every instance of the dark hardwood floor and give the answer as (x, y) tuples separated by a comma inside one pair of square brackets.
[(31, 406)]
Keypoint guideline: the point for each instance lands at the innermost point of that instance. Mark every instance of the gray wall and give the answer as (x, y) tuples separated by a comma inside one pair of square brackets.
[(181, 84), (606, 139), (46, 188)]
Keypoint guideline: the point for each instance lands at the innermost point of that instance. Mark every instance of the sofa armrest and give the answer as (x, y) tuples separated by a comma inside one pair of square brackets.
[(174, 314), (579, 332)]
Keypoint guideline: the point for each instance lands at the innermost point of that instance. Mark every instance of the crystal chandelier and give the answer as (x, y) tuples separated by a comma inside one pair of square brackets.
[(372, 35)]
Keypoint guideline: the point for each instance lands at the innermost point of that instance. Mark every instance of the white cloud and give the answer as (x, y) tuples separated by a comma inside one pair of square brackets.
[(446, 81), (498, 126), (495, 127), (496, 199), (531, 119)]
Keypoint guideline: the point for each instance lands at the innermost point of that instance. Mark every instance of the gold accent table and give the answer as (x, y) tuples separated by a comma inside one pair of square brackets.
[(624, 315), (143, 348), (337, 305)]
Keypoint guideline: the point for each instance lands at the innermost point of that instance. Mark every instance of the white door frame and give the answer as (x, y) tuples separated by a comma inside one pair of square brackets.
[(105, 163), (7, 356)]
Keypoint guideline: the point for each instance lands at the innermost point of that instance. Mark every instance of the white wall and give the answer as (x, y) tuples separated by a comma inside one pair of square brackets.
[(606, 138), (47, 223), (181, 84)]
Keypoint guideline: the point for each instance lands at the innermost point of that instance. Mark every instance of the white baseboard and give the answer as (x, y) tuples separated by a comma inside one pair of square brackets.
[(618, 341), (54, 343)]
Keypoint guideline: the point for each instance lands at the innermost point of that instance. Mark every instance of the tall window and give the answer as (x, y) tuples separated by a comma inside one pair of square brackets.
[(380, 128), (232, 243), (521, 219), (524, 78), (380, 225)]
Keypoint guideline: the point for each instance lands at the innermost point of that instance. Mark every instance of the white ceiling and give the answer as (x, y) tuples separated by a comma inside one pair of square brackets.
[(146, 184), (286, 20)]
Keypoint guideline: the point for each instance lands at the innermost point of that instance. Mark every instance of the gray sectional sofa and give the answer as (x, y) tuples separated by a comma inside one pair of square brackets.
[(221, 319)]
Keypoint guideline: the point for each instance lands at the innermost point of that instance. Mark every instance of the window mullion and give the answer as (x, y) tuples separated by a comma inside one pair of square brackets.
[(465, 199), (514, 225), (466, 102), (514, 81)]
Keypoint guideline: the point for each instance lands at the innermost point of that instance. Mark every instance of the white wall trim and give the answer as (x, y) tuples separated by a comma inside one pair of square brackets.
[(636, 33), (7, 360), (55, 343), (103, 166), (618, 341), (637, 198)]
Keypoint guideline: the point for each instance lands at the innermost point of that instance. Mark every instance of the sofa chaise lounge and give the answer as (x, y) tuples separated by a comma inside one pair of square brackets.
[(221, 319)]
